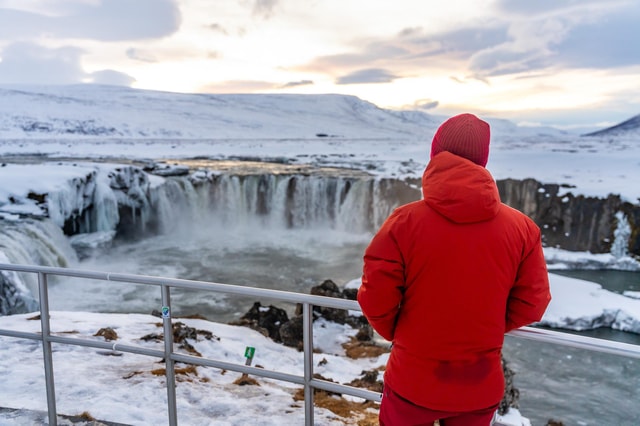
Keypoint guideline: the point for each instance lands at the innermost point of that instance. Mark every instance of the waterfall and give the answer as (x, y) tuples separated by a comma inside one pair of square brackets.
[(31, 241), (93, 209), (276, 201), (36, 241)]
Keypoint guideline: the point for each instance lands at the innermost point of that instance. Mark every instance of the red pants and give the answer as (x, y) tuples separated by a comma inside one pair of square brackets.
[(397, 411)]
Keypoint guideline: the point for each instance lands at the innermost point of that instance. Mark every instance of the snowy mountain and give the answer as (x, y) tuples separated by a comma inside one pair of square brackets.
[(87, 111), (630, 127)]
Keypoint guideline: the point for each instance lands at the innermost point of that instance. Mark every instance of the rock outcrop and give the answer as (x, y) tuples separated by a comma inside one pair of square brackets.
[(572, 222)]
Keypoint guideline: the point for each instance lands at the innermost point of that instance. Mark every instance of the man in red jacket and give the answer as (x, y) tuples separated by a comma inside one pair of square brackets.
[(444, 279)]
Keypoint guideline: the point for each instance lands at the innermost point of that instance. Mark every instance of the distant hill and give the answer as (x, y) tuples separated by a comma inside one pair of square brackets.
[(88, 111), (95, 111), (630, 127)]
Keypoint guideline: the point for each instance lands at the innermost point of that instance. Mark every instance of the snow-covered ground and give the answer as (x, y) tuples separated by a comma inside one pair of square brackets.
[(122, 387), (127, 388)]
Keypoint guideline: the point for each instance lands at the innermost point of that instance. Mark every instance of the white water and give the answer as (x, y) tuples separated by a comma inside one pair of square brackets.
[(273, 201), (287, 232)]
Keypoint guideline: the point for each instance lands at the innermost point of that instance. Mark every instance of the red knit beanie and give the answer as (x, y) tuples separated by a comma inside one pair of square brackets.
[(464, 135)]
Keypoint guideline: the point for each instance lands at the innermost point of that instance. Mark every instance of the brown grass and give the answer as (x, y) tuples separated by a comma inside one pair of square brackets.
[(245, 380), (86, 416), (365, 413), (356, 349), (108, 333), (189, 369)]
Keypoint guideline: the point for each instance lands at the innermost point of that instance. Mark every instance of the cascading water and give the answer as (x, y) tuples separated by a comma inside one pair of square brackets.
[(30, 241), (274, 230), (273, 202)]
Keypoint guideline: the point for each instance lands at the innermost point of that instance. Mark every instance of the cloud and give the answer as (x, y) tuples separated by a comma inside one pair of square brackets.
[(609, 42), (140, 55), (297, 84), (520, 37), (218, 28), (112, 77), (459, 43), (30, 63), (237, 86), (371, 75), (412, 50), (563, 34), (546, 7), (264, 8), (425, 104), (106, 20), (374, 52)]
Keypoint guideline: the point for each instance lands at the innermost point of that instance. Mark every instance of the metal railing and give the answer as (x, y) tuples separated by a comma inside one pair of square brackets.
[(307, 301)]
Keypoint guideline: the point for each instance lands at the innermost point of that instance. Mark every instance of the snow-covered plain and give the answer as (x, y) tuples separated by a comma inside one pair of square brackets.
[(87, 121), (80, 124)]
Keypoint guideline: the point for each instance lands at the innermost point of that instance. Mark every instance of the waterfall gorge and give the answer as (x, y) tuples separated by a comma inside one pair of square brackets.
[(222, 202)]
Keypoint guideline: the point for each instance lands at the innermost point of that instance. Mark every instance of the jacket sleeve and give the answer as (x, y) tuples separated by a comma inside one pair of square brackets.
[(530, 295), (382, 286)]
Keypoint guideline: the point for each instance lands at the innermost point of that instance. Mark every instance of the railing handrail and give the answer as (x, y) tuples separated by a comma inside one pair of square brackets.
[(307, 300), (286, 296)]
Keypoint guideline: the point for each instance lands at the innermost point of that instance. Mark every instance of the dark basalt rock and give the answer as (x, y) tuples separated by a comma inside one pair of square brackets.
[(511, 396), (274, 322), (291, 333), (265, 319)]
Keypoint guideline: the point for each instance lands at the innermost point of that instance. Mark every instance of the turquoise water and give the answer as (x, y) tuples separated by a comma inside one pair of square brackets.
[(616, 281), (575, 386)]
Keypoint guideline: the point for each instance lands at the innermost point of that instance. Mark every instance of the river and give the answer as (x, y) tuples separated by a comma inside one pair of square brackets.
[(575, 386)]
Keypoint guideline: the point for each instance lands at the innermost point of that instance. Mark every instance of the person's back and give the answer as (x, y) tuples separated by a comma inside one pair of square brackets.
[(445, 277)]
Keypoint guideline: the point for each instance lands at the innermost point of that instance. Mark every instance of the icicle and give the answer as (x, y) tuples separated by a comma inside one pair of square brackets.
[(72, 200), (105, 215), (621, 235)]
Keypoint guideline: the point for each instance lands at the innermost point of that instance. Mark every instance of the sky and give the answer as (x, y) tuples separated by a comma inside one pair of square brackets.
[(566, 63)]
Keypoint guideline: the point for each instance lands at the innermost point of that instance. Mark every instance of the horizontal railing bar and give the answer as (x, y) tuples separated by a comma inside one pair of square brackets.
[(20, 334), (285, 296), (550, 336), (107, 345), (576, 341), (240, 368), (255, 371), (346, 389)]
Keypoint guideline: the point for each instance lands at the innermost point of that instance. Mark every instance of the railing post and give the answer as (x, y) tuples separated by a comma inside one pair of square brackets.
[(46, 348), (307, 344), (168, 351)]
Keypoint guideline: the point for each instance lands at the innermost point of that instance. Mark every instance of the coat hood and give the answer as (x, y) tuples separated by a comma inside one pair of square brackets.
[(459, 189)]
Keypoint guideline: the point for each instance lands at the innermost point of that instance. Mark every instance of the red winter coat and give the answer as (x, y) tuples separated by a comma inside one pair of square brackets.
[(444, 278)]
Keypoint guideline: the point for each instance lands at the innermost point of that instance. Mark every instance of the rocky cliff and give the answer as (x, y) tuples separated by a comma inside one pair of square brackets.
[(573, 222)]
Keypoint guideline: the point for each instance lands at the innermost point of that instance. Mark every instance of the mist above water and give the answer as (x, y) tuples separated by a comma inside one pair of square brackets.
[(290, 259)]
